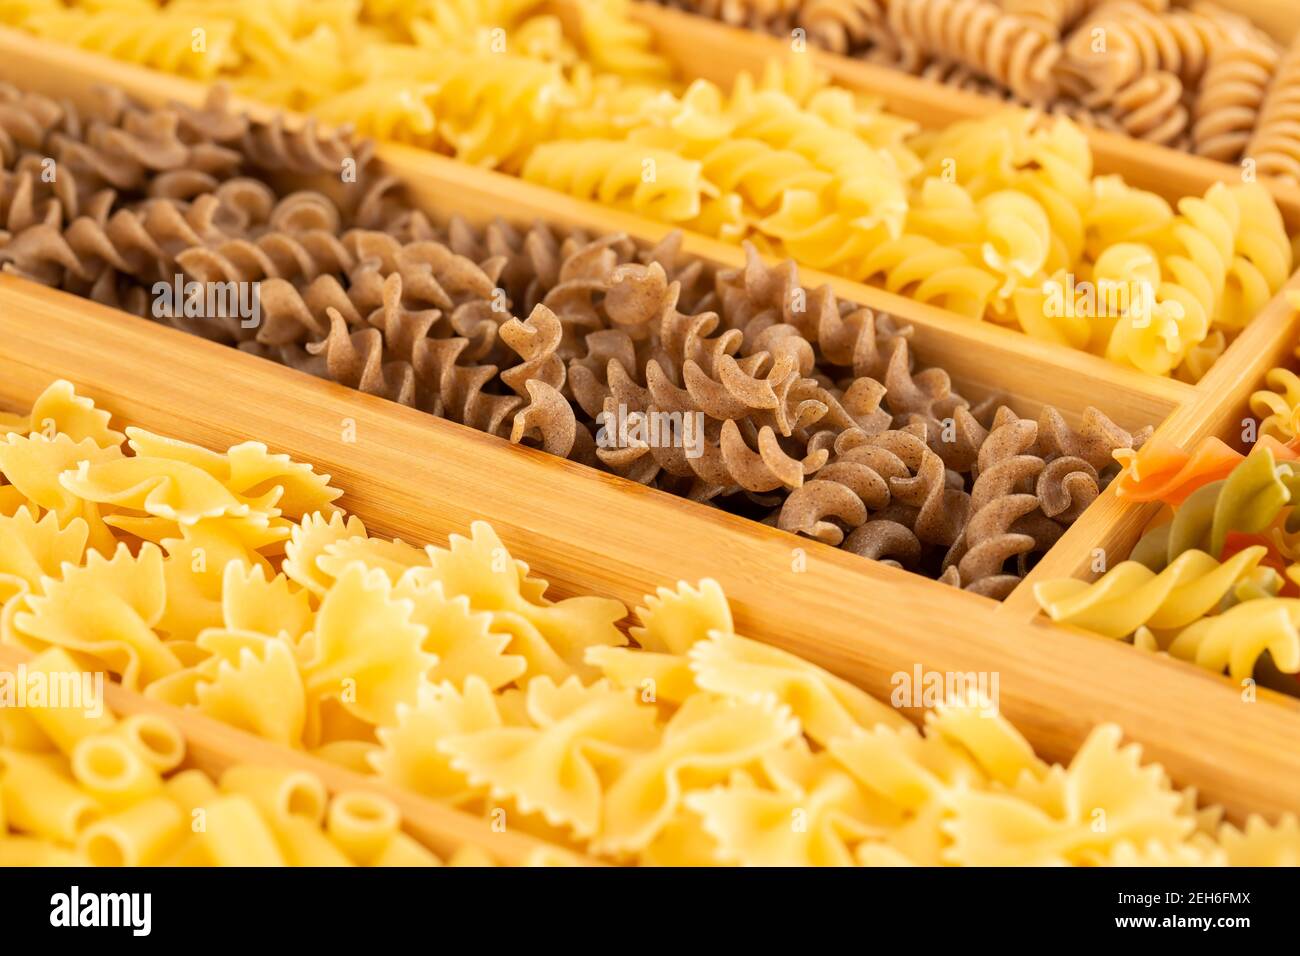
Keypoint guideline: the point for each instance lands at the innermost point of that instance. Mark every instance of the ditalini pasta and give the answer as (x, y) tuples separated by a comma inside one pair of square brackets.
[(1190, 76), (78, 786), (999, 219), (740, 387), (447, 671)]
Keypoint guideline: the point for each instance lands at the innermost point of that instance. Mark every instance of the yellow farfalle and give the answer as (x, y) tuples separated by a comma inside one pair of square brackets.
[(309, 541), (997, 747), (251, 602), (1105, 798), (34, 465), (826, 706), (674, 619), (551, 636), (813, 825), (410, 755), (394, 557), (461, 638), (1260, 844), (706, 739), (552, 768), (195, 569), (163, 488), (108, 609), (250, 681), (365, 650), (249, 471), (904, 768), (31, 550), (59, 410)]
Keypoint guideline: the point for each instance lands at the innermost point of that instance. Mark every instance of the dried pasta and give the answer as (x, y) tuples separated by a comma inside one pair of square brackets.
[(990, 219), (80, 790), (1190, 76), (781, 402), (1212, 583), (448, 672), (1275, 145)]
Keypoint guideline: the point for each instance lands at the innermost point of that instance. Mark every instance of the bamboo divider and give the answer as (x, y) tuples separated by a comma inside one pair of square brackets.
[(212, 747), (709, 49), (419, 477)]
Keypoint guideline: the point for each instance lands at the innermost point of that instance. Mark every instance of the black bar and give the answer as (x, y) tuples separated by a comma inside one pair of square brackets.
[(390, 908)]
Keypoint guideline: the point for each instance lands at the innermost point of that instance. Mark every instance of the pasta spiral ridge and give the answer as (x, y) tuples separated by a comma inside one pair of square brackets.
[(1131, 595), (1275, 143), (1231, 97), (980, 35), (1139, 42)]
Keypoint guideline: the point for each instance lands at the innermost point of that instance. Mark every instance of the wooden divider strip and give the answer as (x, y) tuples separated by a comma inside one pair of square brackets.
[(419, 477)]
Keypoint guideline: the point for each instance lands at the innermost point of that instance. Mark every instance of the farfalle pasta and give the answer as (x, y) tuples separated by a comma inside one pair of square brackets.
[(448, 672), (991, 219)]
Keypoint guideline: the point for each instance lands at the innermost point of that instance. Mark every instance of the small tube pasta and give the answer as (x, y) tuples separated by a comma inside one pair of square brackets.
[(30, 851), (112, 771), (278, 793), (362, 825), (142, 834), (20, 731), (39, 799), (190, 790), (234, 834), (303, 843), (64, 716), (155, 739), (404, 851)]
